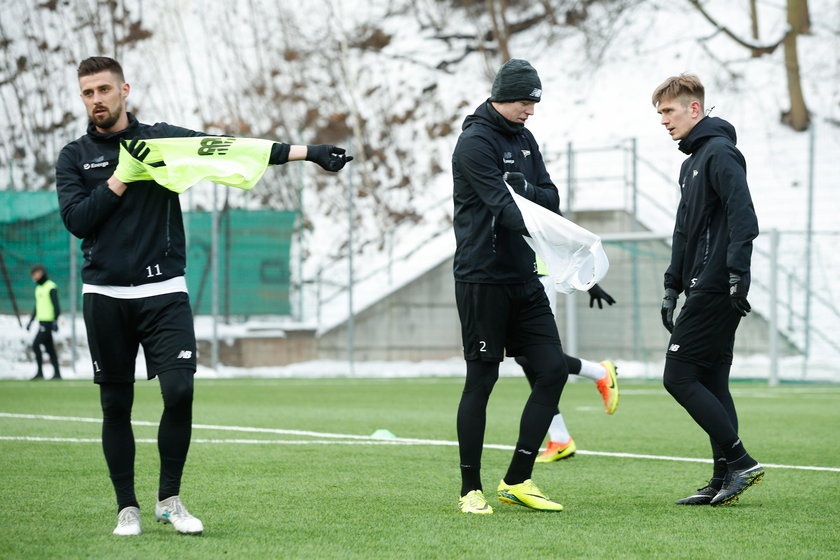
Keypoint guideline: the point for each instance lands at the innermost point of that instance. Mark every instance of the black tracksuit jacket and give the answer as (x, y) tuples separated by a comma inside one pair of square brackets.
[(716, 221), (134, 239), (488, 225)]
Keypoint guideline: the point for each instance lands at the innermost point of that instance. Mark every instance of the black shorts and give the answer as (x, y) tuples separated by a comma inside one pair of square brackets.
[(499, 317), (704, 332), (116, 327)]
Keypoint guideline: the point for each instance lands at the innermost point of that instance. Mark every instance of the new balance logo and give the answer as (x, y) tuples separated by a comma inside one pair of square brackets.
[(215, 146), (673, 347), (184, 355)]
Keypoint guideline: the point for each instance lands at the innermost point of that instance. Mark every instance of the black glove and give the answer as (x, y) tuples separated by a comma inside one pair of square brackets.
[(738, 294), (136, 148), (596, 292), (329, 157), (669, 303), (55, 327), (520, 185)]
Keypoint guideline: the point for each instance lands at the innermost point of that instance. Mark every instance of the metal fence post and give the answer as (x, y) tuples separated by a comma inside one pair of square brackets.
[(214, 267), (809, 231), (773, 334), (74, 303), (350, 280), (571, 308)]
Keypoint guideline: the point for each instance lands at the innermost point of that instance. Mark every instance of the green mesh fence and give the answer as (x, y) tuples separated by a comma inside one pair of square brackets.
[(253, 263), (253, 256)]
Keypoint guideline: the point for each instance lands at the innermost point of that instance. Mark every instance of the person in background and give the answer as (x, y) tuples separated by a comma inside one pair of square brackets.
[(710, 264), (46, 311)]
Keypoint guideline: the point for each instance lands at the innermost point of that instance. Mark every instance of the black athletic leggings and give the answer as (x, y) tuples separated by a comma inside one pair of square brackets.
[(572, 364), (44, 338), (551, 374), (174, 434), (704, 393)]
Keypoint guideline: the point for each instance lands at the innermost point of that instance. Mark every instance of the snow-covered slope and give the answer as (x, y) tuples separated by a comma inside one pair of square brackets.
[(393, 79)]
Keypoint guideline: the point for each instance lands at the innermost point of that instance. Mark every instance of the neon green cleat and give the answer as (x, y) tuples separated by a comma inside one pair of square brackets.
[(555, 451), (526, 494), (474, 502), (608, 387)]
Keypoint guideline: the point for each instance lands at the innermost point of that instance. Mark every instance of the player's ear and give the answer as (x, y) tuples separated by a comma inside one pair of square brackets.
[(696, 109)]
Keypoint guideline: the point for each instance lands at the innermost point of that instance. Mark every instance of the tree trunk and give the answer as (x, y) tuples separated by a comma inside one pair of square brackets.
[(500, 32), (797, 117)]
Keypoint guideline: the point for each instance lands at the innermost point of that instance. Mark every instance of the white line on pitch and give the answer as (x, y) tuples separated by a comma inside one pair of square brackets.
[(358, 439)]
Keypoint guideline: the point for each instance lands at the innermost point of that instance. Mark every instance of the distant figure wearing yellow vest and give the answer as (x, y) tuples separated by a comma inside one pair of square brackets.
[(46, 311)]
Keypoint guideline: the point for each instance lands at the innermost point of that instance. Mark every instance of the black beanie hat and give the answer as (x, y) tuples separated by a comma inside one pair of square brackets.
[(516, 80)]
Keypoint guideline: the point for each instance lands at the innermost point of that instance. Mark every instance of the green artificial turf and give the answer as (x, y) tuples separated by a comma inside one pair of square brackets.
[(352, 498)]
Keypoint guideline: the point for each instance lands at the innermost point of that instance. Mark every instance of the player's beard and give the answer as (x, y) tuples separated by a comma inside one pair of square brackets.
[(108, 119)]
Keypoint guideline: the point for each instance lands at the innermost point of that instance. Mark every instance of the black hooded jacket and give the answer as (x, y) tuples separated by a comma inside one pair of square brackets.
[(716, 221), (488, 225), (128, 240)]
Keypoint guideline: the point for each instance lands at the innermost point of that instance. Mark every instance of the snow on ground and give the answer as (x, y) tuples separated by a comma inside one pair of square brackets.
[(17, 362)]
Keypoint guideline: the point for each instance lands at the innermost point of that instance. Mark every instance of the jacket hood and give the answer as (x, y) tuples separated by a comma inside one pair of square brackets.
[(705, 129), (105, 136), (487, 115)]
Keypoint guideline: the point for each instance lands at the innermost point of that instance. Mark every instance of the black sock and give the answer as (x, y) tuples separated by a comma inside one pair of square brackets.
[(718, 473), (470, 479), (124, 488), (737, 457), (521, 465)]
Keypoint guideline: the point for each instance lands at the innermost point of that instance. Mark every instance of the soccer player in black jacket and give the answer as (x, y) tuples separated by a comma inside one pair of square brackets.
[(501, 302), (133, 284), (710, 264)]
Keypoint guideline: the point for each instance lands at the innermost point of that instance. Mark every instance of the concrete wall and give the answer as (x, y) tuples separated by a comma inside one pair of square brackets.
[(263, 349), (420, 320), (417, 322)]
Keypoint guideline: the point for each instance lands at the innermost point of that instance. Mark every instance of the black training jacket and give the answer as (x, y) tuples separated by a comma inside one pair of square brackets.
[(488, 225), (716, 221), (134, 239)]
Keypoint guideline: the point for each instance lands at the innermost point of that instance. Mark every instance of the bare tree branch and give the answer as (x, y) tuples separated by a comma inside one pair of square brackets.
[(756, 49)]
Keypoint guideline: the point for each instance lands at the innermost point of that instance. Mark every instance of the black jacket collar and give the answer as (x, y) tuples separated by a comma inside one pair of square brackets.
[(487, 114)]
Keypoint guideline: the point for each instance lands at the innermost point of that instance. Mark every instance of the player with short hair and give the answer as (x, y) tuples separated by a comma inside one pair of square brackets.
[(710, 263), (134, 288)]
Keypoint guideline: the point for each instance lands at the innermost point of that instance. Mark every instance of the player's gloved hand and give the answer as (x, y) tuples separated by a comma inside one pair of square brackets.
[(129, 168), (520, 185), (669, 303), (331, 158), (136, 148), (597, 293), (738, 294), (55, 326)]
